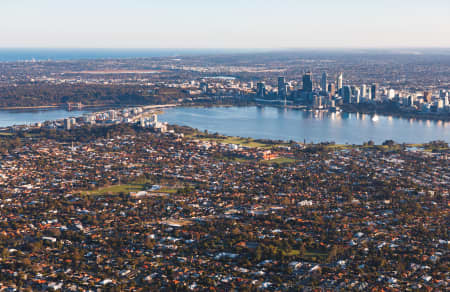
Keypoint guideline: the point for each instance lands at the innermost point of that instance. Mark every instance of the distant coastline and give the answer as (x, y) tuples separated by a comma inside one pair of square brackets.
[(66, 54)]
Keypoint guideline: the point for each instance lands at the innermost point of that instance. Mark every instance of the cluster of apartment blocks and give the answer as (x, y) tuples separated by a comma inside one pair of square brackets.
[(143, 116)]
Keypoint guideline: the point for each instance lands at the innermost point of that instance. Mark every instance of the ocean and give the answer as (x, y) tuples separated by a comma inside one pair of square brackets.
[(21, 54)]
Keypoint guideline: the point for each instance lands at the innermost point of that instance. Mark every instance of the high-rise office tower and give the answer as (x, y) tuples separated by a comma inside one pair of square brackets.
[(339, 81), (307, 82), (427, 96), (373, 92), (411, 100), (356, 96), (347, 94), (391, 93), (353, 90), (282, 90), (261, 89), (332, 88), (324, 82), (363, 90)]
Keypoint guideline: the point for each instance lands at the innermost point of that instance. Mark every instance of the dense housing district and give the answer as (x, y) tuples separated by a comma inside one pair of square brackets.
[(128, 208)]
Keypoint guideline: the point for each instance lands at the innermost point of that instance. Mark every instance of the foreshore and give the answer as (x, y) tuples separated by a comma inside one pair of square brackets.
[(29, 107), (404, 115), (62, 106), (399, 114)]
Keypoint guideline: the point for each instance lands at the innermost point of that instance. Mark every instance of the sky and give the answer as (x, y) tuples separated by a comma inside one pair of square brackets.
[(268, 24)]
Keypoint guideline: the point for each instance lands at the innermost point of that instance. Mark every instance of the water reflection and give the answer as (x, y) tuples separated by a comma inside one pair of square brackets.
[(321, 126), (282, 111)]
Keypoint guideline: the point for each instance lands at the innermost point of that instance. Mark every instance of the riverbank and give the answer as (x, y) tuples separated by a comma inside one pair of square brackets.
[(64, 107), (404, 115), (51, 106), (345, 109), (444, 117), (30, 107), (267, 144)]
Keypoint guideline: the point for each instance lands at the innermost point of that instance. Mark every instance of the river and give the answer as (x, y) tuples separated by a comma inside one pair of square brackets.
[(275, 123), (299, 125)]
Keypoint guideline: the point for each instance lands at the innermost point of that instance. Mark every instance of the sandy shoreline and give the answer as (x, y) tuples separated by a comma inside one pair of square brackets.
[(29, 107)]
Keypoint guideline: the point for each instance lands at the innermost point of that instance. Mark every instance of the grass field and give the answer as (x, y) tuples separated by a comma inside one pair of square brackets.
[(309, 255), (243, 142), (236, 140), (116, 189), (247, 142), (128, 188), (238, 159), (279, 160), (340, 146)]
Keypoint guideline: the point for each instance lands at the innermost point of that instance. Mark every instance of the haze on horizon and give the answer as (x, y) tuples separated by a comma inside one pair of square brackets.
[(270, 24)]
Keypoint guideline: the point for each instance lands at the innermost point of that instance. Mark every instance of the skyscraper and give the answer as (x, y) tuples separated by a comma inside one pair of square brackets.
[(261, 89), (339, 81), (373, 92), (324, 82), (347, 94), (363, 90), (307, 82), (411, 100), (356, 96), (427, 96), (282, 90), (332, 88)]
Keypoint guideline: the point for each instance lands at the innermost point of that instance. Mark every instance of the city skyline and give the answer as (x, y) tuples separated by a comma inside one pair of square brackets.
[(208, 24)]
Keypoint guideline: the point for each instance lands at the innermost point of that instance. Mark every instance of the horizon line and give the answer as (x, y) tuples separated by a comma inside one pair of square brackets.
[(230, 48)]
